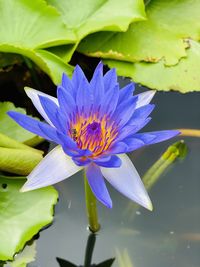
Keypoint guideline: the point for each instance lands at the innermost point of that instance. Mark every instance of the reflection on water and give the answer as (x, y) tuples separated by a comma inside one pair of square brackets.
[(166, 237), (88, 256)]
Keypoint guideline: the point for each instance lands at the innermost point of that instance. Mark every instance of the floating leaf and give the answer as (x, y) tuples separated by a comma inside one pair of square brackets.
[(183, 77), (161, 36), (26, 256), (8, 142), (22, 215), (95, 15), (10, 128), (18, 161), (31, 25), (56, 66)]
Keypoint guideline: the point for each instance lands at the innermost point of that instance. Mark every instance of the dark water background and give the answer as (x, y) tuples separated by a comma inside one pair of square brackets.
[(167, 237)]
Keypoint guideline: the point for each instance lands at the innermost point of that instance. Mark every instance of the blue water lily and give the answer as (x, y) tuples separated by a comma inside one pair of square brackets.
[(94, 123)]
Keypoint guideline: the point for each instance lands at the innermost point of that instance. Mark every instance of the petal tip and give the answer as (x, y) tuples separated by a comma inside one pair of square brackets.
[(109, 205), (150, 206), (24, 189)]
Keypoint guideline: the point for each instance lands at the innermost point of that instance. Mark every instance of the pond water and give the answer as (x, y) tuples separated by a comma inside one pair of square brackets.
[(167, 237)]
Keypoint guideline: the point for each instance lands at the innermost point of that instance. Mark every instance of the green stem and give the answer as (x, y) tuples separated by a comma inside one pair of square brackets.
[(91, 207), (176, 150)]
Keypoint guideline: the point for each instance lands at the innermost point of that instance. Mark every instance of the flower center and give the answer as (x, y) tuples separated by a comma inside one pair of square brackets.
[(93, 134)]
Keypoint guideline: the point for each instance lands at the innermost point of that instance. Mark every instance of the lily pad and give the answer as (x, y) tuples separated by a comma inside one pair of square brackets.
[(18, 161), (26, 256), (22, 215), (10, 128), (95, 15), (31, 25), (161, 36), (183, 77)]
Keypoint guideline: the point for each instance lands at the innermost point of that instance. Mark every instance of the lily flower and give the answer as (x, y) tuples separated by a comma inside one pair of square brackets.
[(94, 123)]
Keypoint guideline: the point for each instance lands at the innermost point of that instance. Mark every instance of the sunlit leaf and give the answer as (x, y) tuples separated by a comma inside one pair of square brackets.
[(18, 161), (30, 25), (56, 66), (22, 215), (88, 16), (183, 77), (161, 36)]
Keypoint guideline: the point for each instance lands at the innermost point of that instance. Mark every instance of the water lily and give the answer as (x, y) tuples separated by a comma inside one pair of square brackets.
[(94, 123)]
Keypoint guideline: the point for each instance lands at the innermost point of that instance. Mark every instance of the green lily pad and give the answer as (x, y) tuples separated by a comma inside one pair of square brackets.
[(26, 256), (22, 215), (183, 77), (95, 15), (10, 128), (161, 36), (18, 161), (56, 65), (32, 25)]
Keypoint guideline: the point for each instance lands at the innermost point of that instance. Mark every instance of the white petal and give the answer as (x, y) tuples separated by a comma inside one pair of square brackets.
[(55, 167), (33, 95), (145, 98), (127, 181)]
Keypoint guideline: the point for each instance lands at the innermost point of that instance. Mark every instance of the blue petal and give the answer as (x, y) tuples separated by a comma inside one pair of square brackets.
[(109, 102), (124, 111), (126, 92), (118, 148), (84, 98), (34, 126), (55, 167), (80, 161), (110, 80), (156, 137), (141, 114), (51, 109), (109, 162), (130, 130), (145, 98), (97, 85), (97, 184), (77, 78), (67, 84), (133, 144), (34, 96), (66, 102), (127, 181), (68, 144)]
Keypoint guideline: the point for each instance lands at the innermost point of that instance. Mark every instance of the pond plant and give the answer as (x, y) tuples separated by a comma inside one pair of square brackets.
[(93, 123), (80, 47)]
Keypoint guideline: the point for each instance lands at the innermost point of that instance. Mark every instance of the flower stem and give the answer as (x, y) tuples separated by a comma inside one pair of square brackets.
[(91, 207), (176, 150), (190, 132)]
